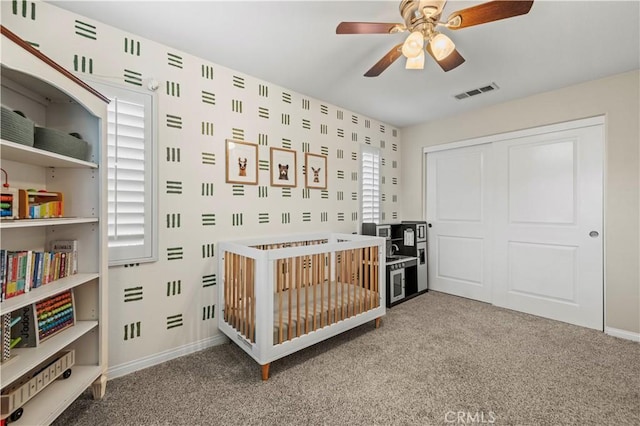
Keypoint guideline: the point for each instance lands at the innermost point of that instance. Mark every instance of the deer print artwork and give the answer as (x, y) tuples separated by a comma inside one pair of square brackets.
[(242, 166), (316, 174)]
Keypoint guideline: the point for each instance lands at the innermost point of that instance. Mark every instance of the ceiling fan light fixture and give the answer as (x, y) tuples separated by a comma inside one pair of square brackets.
[(416, 63), (413, 45), (441, 46)]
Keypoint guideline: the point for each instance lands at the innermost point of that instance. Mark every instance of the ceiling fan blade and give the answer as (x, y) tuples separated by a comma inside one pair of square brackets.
[(450, 62), (365, 28), (487, 12), (384, 63)]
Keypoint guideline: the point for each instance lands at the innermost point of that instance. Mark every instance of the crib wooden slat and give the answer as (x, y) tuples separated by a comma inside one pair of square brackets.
[(349, 282), (360, 282), (376, 278), (314, 286), (252, 298), (236, 283), (298, 280), (305, 284), (248, 296), (289, 290), (321, 267), (227, 285), (367, 282), (343, 264), (235, 290), (281, 278)]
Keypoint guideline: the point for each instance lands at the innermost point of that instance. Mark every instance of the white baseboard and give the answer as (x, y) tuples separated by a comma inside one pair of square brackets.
[(623, 334), (159, 358)]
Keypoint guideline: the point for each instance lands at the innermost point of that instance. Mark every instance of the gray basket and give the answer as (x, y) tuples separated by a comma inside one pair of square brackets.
[(60, 143), (16, 128)]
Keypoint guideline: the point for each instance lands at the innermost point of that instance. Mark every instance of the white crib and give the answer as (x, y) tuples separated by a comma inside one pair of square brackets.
[(278, 295)]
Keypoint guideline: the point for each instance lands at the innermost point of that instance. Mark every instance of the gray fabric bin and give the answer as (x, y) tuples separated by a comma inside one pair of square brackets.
[(60, 143), (16, 128)]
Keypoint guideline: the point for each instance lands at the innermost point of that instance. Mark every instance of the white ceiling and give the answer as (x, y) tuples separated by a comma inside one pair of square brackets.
[(293, 44)]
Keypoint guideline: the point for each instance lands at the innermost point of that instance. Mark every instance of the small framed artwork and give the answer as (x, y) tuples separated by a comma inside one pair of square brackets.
[(283, 167), (316, 171), (241, 162)]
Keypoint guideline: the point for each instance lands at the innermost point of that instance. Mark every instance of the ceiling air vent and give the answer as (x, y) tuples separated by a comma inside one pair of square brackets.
[(477, 91)]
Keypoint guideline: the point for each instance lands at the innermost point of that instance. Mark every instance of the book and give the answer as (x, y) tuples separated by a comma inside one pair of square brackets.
[(21, 272), (70, 247), (28, 270), (3, 274)]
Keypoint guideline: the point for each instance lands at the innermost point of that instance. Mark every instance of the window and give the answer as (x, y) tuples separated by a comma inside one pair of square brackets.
[(370, 186), (131, 182)]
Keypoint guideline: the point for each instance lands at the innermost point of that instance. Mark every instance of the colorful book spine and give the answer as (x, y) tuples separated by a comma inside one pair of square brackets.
[(3, 274)]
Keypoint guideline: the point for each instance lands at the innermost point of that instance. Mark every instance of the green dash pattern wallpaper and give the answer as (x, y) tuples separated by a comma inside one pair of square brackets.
[(167, 307)]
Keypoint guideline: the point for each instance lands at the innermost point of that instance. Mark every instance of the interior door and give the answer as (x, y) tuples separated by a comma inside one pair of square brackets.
[(458, 214), (548, 243)]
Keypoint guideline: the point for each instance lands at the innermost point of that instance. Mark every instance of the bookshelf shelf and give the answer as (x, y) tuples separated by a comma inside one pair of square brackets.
[(56, 99), (26, 358), (38, 157), (28, 223), (52, 401), (45, 291)]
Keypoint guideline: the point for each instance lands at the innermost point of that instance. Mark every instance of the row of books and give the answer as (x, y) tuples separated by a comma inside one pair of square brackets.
[(21, 271)]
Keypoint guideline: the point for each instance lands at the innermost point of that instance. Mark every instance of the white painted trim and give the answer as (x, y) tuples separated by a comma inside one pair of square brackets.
[(160, 357), (623, 334), (539, 130)]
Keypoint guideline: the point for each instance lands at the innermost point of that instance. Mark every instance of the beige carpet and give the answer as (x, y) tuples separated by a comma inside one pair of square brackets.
[(437, 359)]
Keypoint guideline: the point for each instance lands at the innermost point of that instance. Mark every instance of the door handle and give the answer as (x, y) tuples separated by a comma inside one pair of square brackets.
[(593, 234), (429, 225)]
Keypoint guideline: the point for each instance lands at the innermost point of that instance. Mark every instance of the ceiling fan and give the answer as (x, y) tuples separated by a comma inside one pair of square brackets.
[(421, 20)]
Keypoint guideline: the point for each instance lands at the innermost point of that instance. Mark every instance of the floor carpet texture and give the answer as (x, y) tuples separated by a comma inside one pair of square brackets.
[(436, 360)]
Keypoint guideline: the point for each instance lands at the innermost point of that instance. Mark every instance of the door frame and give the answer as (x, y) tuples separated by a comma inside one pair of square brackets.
[(531, 131)]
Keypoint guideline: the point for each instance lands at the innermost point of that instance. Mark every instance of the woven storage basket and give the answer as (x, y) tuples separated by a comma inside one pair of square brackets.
[(16, 128), (60, 143)]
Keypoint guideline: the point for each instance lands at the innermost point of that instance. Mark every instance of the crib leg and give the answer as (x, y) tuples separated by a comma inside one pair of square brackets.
[(378, 321), (265, 371)]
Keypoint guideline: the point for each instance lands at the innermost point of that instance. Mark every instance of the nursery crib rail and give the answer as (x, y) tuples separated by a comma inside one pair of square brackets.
[(240, 303), (277, 297), (311, 294)]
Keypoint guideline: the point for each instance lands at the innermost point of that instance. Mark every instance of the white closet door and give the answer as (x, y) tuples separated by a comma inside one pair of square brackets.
[(458, 210), (548, 243)]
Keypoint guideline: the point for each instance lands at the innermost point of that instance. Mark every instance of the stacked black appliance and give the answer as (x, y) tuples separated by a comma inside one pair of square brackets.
[(414, 243)]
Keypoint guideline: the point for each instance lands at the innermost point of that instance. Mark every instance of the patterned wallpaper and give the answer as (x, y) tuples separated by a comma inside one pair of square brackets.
[(169, 304)]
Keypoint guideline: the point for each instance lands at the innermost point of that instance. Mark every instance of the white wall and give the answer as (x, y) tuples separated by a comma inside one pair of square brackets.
[(163, 309), (618, 98)]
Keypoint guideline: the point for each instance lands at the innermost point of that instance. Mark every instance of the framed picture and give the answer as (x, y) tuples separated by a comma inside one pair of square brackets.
[(283, 167), (241, 162), (316, 171)]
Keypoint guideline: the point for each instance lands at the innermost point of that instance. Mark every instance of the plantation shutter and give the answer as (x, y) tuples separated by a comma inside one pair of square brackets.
[(370, 185), (126, 173), (130, 164)]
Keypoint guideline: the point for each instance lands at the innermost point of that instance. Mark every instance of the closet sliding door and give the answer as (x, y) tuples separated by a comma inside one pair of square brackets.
[(548, 245), (517, 221), (459, 233)]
